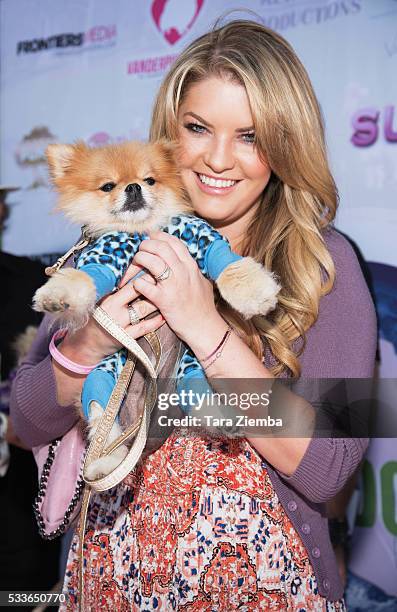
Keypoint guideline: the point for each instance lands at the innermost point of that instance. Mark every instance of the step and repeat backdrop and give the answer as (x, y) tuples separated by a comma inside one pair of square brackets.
[(89, 69)]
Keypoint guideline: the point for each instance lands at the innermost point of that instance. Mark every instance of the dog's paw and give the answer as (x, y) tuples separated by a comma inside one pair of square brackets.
[(70, 295), (105, 465), (95, 415), (48, 299), (248, 287)]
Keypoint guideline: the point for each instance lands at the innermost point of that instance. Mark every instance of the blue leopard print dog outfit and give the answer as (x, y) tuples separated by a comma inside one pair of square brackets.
[(106, 260)]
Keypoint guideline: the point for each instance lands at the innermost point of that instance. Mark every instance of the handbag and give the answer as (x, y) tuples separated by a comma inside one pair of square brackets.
[(64, 489), (62, 463)]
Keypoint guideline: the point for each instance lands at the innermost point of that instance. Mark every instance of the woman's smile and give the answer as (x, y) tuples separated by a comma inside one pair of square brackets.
[(215, 185), (221, 168)]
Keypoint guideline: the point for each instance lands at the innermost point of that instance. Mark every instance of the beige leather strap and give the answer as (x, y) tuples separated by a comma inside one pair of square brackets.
[(135, 452), (98, 442), (81, 528), (97, 447), (155, 344), (121, 335), (140, 429)]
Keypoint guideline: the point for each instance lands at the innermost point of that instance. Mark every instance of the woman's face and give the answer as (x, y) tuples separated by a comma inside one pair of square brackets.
[(220, 165)]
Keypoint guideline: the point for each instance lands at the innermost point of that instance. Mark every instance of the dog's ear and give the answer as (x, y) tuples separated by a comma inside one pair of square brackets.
[(169, 149), (60, 158)]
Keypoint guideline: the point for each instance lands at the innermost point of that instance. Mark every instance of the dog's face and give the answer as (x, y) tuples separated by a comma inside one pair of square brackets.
[(128, 187)]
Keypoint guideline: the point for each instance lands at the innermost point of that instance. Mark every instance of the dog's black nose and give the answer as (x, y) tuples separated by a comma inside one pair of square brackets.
[(133, 188), (134, 199)]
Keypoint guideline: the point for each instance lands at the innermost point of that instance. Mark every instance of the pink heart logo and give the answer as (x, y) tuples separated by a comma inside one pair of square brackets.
[(173, 18)]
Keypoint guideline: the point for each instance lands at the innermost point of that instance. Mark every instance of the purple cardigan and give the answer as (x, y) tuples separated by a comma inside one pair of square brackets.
[(341, 344)]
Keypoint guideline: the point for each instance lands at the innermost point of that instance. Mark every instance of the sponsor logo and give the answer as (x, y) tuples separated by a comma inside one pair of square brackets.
[(286, 14), (174, 18), (367, 123), (101, 139), (30, 155), (150, 65), (95, 37)]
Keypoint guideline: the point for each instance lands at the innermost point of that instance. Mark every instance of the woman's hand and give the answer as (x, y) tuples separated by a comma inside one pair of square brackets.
[(92, 343), (186, 297)]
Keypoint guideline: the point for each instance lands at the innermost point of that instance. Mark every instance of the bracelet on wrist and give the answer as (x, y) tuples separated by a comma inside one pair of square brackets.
[(65, 362), (217, 352)]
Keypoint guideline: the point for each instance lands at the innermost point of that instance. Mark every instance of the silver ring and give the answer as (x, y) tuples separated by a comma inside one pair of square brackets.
[(166, 273), (133, 315)]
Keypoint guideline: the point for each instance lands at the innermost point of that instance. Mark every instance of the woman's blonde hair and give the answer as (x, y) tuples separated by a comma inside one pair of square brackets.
[(300, 199)]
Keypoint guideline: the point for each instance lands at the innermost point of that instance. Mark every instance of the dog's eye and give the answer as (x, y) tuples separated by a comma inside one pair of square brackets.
[(150, 180), (108, 187)]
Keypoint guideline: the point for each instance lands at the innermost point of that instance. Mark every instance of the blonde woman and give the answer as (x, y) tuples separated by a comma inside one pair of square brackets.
[(207, 522)]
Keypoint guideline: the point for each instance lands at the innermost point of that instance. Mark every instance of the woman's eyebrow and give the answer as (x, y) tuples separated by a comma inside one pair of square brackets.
[(239, 130)]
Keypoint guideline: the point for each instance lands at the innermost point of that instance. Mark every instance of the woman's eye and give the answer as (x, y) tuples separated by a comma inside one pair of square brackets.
[(108, 187), (150, 180), (248, 137), (195, 127)]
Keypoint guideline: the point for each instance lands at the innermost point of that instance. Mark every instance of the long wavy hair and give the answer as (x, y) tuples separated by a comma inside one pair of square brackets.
[(300, 200)]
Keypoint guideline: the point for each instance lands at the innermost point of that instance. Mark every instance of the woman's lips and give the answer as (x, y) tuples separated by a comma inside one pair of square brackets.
[(214, 190)]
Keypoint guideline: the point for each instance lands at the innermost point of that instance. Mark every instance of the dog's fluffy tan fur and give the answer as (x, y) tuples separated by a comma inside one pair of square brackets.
[(68, 291), (240, 285), (78, 172), (104, 465)]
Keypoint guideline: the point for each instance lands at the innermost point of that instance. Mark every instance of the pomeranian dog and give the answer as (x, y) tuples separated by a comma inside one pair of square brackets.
[(109, 189), (130, 187), (118, 193)]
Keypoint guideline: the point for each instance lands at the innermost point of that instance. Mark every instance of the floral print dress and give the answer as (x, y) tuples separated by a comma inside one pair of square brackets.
[(196, 526)]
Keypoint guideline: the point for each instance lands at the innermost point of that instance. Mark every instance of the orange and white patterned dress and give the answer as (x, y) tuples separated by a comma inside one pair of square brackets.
[(196, 527)]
